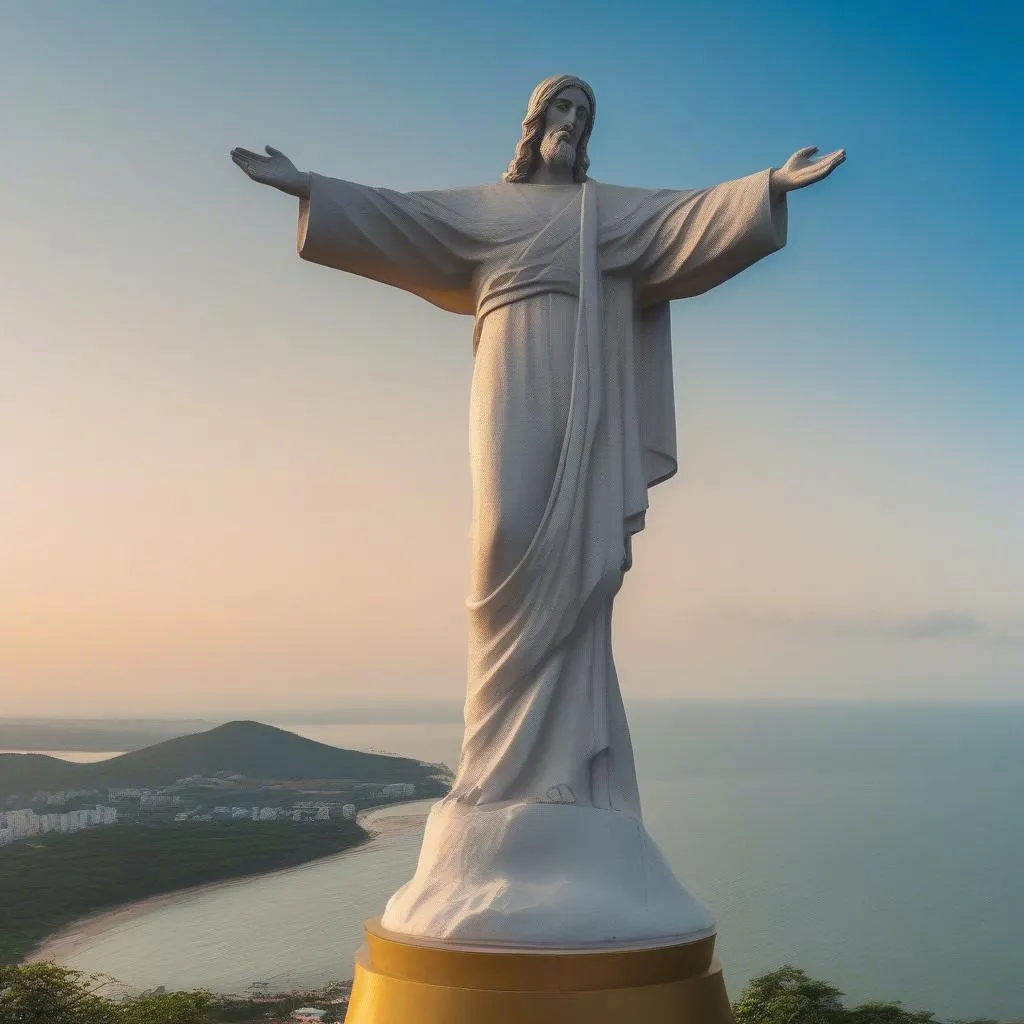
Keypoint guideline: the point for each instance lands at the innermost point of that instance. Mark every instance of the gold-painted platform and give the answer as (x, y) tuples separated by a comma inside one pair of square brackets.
[(399, 981)]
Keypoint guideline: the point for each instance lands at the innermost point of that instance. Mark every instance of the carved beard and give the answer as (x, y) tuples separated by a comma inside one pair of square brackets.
[(557, 152)]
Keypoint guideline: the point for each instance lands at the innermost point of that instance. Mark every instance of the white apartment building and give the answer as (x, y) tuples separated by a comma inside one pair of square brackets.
[(155, 801), (124, 794), (398, 791), (24, 823)]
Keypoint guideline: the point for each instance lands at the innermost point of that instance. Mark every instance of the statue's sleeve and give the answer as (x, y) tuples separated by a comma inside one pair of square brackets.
[(421, 242), (677, 244)]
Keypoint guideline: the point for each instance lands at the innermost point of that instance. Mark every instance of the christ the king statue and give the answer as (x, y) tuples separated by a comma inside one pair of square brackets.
[(540, 842)]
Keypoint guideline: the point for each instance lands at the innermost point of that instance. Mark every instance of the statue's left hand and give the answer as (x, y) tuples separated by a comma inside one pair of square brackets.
[(800, 170), (275, 170)]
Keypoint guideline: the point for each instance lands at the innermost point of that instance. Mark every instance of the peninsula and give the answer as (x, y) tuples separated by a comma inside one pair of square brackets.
[(240, 799)]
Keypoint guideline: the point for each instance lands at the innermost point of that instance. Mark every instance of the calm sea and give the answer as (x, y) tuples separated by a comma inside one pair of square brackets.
[(878, 847), (78, 756)]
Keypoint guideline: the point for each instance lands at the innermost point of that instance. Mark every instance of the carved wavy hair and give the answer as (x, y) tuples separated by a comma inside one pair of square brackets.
[(528, 150)]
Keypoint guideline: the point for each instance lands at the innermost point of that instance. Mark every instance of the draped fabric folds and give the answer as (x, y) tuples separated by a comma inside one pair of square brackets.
[(572, 421)]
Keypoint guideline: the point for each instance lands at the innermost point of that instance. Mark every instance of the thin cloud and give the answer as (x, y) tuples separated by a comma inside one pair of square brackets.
[(933, 625)]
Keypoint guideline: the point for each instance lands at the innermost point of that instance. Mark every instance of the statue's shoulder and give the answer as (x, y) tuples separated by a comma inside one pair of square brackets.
[(457, 190), (624, 203), (627, 193), (468, 198)]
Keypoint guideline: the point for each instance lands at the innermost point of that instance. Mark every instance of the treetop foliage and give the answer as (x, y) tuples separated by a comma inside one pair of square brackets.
[(46, 993)]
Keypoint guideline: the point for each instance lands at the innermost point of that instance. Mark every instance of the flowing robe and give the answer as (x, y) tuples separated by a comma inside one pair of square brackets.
[(572, 420)]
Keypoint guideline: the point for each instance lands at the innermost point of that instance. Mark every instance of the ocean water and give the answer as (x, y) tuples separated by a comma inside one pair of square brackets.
[(878, 847), (78, 756)]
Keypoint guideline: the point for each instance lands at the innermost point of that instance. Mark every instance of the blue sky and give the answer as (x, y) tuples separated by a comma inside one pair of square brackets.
[(217, 447)]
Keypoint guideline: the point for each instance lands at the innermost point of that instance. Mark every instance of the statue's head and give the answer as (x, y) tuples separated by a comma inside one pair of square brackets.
[(556, 129)]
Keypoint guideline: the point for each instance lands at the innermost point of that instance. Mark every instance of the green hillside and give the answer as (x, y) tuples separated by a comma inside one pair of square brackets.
[(251, 749)]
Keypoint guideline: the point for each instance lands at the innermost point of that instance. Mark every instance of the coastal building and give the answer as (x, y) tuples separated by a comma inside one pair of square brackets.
[(22, 822), (348, 811), (398, 791), (25, 823), (124, 794), (333, 806), (308, 1013), (150, 801)]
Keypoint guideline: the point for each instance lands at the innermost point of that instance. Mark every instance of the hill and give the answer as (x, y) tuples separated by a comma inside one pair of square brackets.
[(251, 749)]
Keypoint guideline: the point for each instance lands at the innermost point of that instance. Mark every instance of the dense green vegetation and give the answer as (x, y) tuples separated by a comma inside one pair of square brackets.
[(250, 749), (789, 996), (49, 994), (51, 880)]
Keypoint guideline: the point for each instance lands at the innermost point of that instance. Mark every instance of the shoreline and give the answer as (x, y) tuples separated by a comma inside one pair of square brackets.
[(70, 938)]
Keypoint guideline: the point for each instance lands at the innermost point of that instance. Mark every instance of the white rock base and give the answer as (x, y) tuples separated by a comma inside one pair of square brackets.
[(549, 875)]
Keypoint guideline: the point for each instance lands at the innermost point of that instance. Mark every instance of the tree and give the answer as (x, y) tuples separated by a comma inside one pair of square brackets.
[(167, 1008), (887, 1013), (46, 993), (789, 996)]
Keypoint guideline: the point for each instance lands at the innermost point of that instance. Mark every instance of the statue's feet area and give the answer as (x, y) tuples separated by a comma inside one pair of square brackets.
[(543, 874)]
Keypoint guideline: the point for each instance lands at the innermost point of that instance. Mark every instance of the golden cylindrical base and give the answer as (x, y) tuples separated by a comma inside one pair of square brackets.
[(402, 981)]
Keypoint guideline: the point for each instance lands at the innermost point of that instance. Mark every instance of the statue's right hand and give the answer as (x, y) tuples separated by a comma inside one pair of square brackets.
[(275, 169)]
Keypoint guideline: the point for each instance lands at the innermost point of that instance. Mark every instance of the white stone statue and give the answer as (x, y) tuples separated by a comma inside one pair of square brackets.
[(540, 841)]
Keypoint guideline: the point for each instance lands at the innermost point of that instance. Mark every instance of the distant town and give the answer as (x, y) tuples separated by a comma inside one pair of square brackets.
[(187, 800)]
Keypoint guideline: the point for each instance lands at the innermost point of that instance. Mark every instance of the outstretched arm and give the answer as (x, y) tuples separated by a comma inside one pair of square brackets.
[(676, 244), (426, 243), (275, 170)]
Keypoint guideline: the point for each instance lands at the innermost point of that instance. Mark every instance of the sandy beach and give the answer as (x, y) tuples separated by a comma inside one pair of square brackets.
[(378, 821)]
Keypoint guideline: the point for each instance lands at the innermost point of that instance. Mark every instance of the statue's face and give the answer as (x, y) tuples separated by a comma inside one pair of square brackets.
[(564, 122)]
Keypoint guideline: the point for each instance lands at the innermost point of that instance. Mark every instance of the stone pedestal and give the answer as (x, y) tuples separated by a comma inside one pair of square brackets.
[(399, 980)]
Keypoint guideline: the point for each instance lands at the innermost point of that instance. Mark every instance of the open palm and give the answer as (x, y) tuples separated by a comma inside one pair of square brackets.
[(275, 169), (800, 170)]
